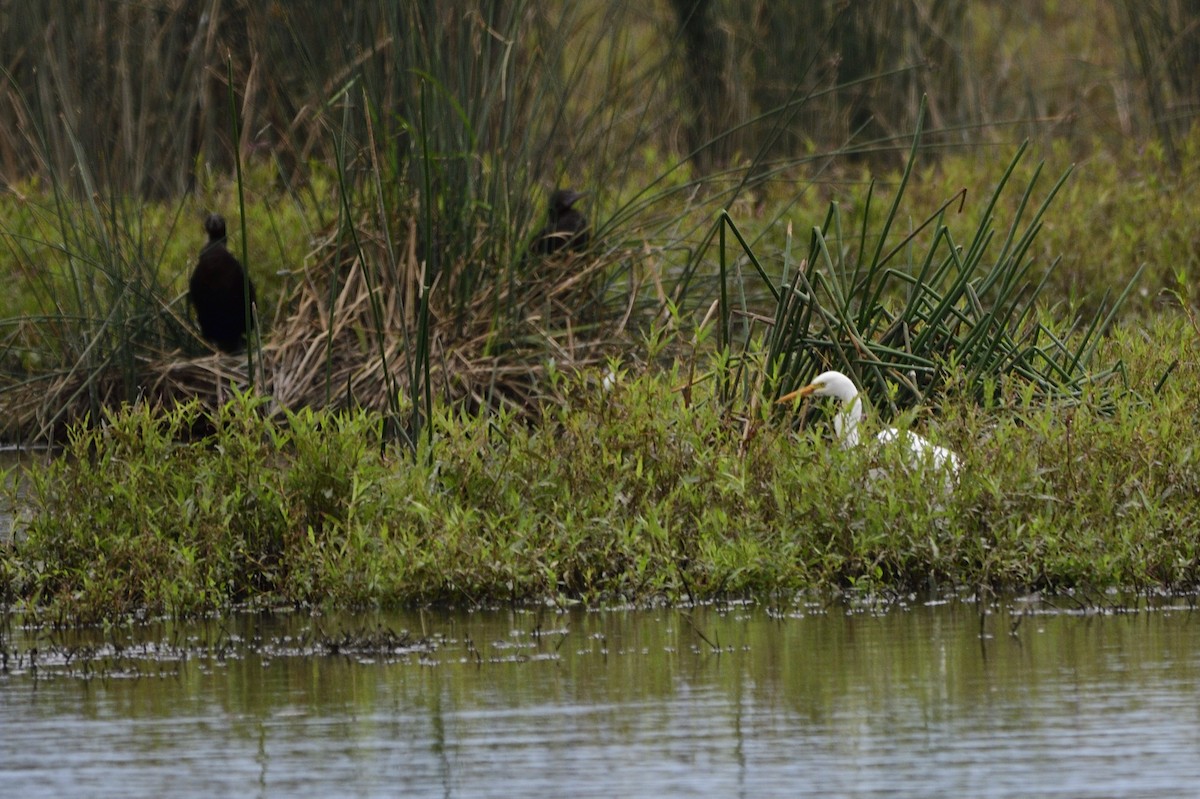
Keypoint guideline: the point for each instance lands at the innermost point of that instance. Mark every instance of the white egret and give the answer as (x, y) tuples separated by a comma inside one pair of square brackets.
[(845, 423)]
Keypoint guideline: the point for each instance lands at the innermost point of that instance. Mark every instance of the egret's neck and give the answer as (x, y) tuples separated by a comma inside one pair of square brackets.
[(846, 422)]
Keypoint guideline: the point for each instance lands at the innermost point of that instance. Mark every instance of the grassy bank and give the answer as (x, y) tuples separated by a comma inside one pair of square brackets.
[(425, 412), (619, 492), (666, 475)]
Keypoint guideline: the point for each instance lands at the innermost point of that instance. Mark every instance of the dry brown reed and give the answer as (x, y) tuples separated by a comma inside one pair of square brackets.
[(338, 349)]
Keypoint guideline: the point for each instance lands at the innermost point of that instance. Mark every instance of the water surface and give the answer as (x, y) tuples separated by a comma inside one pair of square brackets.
[(741, 701)]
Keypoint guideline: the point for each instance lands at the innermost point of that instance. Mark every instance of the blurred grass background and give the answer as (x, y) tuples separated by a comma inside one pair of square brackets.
[(137, 91)]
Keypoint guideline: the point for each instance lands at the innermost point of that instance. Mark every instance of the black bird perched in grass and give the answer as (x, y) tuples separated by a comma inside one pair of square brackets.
[(217, 292), (566, 228)]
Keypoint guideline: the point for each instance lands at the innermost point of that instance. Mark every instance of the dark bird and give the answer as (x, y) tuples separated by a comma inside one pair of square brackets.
[(217, 292), (566, 228)]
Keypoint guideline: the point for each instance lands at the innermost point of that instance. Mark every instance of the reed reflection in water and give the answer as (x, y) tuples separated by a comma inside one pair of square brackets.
[(735, 702)]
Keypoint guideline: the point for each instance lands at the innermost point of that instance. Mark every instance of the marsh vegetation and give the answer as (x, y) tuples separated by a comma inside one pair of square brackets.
[(433, 408)]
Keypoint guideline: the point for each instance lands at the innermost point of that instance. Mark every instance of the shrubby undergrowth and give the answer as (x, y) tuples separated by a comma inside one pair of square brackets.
[(625, 491)]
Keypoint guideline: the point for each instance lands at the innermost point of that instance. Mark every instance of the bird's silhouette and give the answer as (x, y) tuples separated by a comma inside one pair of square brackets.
[(566, 227), (217, 292)]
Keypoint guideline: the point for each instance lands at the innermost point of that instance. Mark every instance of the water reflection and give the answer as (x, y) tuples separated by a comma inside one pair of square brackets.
[(737, 702)]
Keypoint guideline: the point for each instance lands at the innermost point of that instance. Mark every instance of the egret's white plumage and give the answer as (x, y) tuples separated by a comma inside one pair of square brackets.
[(845, 423)]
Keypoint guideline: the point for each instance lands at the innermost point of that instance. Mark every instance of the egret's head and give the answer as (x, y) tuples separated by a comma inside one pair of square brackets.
[(827, 384)]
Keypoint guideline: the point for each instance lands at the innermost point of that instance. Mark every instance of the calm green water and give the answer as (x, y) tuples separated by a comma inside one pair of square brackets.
[(837, 702)]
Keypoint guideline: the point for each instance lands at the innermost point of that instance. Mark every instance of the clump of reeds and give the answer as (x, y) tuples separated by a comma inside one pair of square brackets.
[(909, 316), (349, 339)]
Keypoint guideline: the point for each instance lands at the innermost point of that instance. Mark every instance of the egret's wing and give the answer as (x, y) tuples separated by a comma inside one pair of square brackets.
[(922, 451)]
